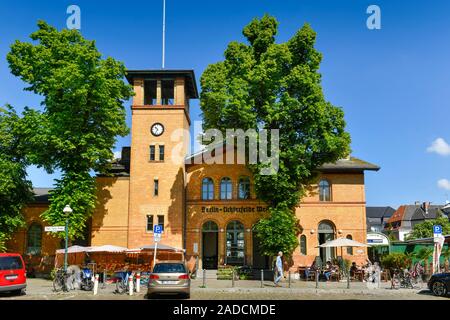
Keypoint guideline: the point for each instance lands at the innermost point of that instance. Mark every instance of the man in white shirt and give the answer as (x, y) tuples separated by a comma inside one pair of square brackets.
[(278, 269)]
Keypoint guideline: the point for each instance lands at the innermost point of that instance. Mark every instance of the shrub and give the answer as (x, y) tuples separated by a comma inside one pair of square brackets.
[(396, 260)]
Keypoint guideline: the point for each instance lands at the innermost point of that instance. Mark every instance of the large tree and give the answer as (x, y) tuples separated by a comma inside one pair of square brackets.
[(83, 113), (266, 85), (425, 229), (15, 189)]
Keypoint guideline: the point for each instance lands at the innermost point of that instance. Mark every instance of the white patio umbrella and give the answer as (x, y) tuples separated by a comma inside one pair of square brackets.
[(342, 242), (107, 248), (74, 249), (161, 247)]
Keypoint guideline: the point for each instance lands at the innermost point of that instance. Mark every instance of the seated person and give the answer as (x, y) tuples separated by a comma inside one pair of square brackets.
[(353, 269), (312, 268), (328, 270)]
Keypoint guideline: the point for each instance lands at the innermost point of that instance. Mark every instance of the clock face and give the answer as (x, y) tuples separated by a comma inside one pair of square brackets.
[(157, 129)]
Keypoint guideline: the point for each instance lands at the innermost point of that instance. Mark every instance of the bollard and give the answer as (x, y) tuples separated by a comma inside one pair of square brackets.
[(348, 279), (138, 282), (232, 278), (204, 278), (104, 280), (130, 285), (262, 278), (96, 285), (317, 279), (289, 278)]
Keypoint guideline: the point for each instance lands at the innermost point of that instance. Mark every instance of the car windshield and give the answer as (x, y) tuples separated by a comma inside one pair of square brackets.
[(10, 263), (169, 268)]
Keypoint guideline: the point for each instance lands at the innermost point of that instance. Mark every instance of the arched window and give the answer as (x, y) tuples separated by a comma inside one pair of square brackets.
[(210, 226), (349, 249), (324, 191), (226, 189), (244, 188), (34, 239), (326, 232), (207, 189), (235, 243), (303, 251)]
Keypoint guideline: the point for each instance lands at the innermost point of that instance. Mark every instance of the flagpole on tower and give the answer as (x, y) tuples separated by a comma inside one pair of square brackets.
[(164, 34)]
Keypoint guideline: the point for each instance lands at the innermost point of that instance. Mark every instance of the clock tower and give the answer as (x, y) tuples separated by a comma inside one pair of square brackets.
[(159, 143)]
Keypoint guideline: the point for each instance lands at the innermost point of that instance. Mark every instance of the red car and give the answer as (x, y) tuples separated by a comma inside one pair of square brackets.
[(12, 273)]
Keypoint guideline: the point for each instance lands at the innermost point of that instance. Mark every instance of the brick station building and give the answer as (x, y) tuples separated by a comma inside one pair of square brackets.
[(207, 209)]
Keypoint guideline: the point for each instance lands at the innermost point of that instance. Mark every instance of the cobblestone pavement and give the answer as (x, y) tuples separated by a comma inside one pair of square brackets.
[(39, 289)]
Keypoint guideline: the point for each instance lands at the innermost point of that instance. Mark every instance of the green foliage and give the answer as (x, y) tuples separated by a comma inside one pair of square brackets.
[(425, 229), (82, 116), (279, 231), (396, 260), (265, 85), (15, 189), (424, 254)]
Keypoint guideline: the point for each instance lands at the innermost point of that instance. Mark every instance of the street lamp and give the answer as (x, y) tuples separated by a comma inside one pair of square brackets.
[(67, 211)]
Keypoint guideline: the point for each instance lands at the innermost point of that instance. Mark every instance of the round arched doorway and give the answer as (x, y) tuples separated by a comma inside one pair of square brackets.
[(326, 232), (235, 245), (210, 245)]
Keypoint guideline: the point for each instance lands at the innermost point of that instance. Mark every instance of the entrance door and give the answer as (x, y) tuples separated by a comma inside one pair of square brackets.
[(326, 233), (259, 261), (210, 245)]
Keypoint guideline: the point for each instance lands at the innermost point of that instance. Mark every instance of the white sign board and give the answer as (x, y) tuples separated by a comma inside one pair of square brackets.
[(55, 229), (195, 247), (157, 237), (377, 239)]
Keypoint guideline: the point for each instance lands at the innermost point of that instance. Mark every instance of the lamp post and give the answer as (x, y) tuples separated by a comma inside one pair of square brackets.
[(67, 210)]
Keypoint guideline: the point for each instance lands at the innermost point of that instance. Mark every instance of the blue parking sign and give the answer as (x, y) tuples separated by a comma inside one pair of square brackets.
[(437, 229), (158, 229)]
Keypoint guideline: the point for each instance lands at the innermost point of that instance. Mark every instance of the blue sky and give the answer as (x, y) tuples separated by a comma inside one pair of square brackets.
[(392, 83)]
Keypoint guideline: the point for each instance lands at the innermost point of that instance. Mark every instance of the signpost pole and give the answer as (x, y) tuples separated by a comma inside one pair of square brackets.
[(67, 243), (154, 254)]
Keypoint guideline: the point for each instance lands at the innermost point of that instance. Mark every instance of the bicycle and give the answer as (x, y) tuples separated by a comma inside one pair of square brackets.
[(122, 282), (395, 280), (60, 281)]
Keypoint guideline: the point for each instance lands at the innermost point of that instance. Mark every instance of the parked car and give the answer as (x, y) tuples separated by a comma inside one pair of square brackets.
[(169, 277), (439, 284), (12, 273)]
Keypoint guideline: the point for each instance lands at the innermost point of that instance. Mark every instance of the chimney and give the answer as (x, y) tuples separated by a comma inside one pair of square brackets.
[(425, 207)]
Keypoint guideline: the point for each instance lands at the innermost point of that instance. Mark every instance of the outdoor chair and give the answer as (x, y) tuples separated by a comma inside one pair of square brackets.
[(385, 275)]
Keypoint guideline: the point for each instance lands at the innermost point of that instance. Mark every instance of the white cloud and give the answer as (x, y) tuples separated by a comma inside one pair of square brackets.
[(444, 184), (439, 146)]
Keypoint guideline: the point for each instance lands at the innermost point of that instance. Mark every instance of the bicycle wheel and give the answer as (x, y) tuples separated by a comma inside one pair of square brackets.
[(58, 283), (121, 287)]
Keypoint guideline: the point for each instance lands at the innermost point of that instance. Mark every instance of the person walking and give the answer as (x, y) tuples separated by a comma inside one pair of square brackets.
[(278, 269)]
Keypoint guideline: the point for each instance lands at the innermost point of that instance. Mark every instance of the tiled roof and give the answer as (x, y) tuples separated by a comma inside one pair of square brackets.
[(379, 212)]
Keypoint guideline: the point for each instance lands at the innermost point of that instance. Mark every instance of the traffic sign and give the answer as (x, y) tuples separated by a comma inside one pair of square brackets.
[(55, 229), (437, 229), (157, 237), (158, 229)]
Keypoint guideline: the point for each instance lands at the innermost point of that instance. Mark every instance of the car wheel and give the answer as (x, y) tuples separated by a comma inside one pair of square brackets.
[(439, 289), (17, 292)]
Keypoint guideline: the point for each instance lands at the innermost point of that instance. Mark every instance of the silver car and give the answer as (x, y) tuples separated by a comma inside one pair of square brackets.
[(169, 277)]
